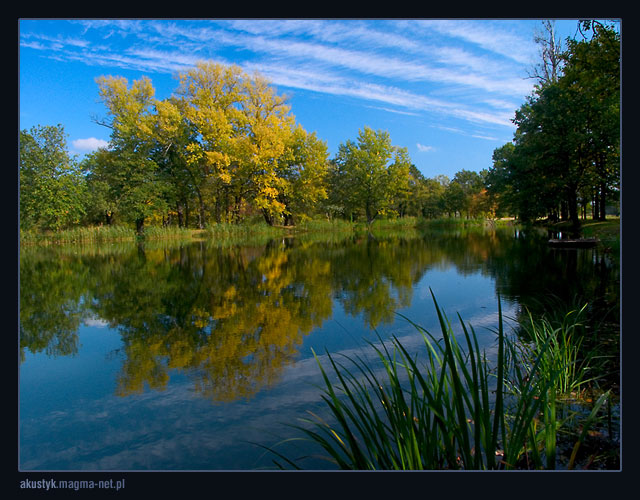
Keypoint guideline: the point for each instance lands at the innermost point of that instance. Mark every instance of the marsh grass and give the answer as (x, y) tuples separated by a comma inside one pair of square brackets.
[(250, 230), (231, 230), (326, 226), (93, 234), (102, 234), (450, 410), (461, 222)]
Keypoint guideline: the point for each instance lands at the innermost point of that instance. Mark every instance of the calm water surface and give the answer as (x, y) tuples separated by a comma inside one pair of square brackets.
[(188, 356)]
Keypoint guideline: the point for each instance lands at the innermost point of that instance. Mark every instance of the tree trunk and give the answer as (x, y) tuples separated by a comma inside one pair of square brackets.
[(267, 217), (288, 220), (237, 205), (564, 215), (140, 226), (368, 212), (572, 203), (180, 215), (201, 211), (603, 201)]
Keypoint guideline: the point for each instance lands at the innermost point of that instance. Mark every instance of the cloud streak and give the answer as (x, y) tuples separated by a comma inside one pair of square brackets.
[(416, 66)]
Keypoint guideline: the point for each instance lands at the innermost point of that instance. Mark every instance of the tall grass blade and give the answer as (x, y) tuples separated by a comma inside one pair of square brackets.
[(586, 427)]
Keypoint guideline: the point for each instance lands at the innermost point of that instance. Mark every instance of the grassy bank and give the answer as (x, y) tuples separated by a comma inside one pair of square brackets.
[(116, 233), (459, 222), (247, 230), (607, 231), (101, 234)]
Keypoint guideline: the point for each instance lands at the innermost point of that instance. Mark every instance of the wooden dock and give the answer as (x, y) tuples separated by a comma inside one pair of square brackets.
[(574, 243)]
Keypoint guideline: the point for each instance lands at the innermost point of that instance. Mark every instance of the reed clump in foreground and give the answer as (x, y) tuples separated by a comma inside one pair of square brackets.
[(454, 411)]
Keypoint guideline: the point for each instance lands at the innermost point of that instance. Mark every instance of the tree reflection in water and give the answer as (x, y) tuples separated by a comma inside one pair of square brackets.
[(232, 317)]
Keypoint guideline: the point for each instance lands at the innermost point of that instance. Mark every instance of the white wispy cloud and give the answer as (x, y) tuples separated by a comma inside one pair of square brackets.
[(382, 65), (394, 64), (485, 137), (488, 35), (424, 149)]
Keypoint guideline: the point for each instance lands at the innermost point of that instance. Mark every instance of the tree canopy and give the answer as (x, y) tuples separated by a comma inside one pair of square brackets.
[(225, 147), (566, 148), (51, 187)]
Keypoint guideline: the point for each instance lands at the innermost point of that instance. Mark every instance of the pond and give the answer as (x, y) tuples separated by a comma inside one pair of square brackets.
[(194, 356)]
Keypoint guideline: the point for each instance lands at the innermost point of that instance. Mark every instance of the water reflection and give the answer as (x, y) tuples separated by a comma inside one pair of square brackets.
[(231, 318)]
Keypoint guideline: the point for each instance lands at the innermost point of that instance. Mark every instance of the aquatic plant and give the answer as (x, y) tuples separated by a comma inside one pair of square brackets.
[(564, 354), (453, 411)]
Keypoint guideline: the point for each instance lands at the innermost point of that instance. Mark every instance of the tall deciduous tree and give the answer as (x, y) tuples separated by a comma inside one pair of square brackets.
[(549, 68), (567, 140), (266, 130), (172, 133), (593, 72), (374, 170), (303, 170), (128, 168), (52, 189), (210, 98), (499, 182), (433, 204), (471, 185), (127, 184), (243, 129)]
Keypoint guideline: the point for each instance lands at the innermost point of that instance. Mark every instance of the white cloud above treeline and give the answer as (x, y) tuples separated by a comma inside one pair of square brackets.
[(424, 149), (90, 144)]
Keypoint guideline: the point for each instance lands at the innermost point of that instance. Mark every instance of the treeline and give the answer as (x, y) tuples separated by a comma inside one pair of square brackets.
[(223, 148), (565, 155), (226, 148)]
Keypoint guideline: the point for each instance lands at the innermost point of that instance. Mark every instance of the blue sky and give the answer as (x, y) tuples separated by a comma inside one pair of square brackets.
[(446, 89)]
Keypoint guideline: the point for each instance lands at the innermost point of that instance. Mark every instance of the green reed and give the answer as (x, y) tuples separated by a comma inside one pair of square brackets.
[(102, 234), (453, 411), (92, 234), (565, 353)]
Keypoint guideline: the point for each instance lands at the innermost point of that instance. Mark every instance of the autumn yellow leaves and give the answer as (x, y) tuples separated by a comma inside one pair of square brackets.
[(224, 138)]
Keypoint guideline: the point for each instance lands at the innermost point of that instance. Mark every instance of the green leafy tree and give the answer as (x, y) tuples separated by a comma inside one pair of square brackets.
[(52, 188), (592, 71), (566, 145), (127, 186), (499, 183), (453, 198), (171, 135), (375, 171), (472, 185), (132, 176), (410, 201), (303, 169), (101, 203), (341, 200), (433, 205)]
